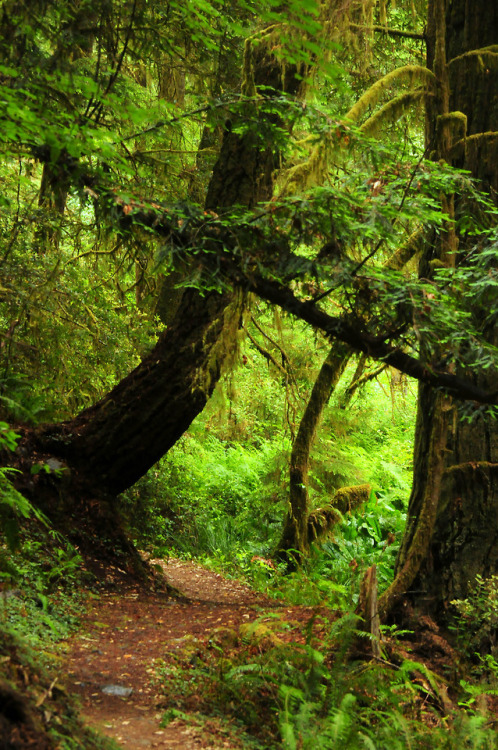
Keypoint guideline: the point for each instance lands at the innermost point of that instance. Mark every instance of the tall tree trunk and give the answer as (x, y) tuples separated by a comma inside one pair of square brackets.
[(462, 538)]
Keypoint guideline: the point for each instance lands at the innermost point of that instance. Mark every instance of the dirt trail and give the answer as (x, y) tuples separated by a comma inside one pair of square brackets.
[(127, 631)]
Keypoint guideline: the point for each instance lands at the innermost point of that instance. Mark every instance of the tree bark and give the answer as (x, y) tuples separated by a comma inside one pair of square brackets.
[(118, 439), (462, 539)]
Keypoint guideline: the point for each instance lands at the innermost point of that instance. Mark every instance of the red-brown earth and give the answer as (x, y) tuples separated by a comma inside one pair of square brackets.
[(128, 632)]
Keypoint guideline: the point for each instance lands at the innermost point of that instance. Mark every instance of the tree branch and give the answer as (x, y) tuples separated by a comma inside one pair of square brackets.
[(224, 260), (387, 30), (374, 346)]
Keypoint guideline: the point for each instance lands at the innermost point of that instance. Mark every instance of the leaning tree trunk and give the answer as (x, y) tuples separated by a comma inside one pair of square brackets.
[(439, 563), (118, 439), (109, 446)]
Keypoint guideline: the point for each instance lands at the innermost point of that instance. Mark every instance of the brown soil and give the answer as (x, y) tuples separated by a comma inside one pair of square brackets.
[(127, 631)]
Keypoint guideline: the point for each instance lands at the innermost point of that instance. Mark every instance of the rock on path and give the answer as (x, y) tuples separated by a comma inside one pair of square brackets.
[(126, 633)]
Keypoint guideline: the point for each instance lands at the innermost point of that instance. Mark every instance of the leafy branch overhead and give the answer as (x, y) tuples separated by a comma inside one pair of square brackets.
[(281, 247), (382, 312), (114, 136)]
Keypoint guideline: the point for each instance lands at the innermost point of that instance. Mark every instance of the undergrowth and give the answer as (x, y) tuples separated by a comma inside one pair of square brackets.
[(222, 500), (285, 688), (42, 593), (221, 494), (44, 588), (35, 710), (301, 687), (41, 574)]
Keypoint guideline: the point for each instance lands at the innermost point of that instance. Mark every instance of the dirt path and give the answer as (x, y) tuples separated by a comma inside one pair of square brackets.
[(126, 632)]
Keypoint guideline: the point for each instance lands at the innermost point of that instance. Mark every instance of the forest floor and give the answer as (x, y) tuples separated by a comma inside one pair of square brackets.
[(128, 631)]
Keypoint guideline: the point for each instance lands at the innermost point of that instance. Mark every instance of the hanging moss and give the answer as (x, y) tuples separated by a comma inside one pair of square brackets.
[(248, 86), (310, 172), (346, 499), (393, 110), (471, 139), (321, 520), (314, 169), (412, 73), (226, 346), (488, 52), (382, 12), (413, 245), (456, 121)]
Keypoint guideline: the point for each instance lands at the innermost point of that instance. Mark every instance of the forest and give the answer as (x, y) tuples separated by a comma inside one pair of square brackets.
[(248, 374)]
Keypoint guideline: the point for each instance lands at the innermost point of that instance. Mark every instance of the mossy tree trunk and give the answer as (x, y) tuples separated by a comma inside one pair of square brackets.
[(302, 527), (294, 544), (452, 528)]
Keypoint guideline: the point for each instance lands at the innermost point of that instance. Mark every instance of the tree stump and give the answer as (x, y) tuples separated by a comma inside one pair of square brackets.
[(368, 610)]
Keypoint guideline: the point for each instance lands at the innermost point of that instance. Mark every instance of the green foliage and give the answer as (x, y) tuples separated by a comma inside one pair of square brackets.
[(238, 498), (93, 292), (75, 281), (13, 506), (234, 462), (309, 696), (42, 587), (35, 576), (108, 109), (56, 719), (76, 300), (476, 622)]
